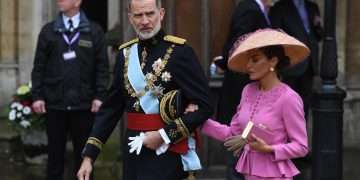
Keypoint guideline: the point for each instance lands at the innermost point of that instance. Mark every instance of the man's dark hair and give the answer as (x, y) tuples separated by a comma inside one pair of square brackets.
[(158, 3)]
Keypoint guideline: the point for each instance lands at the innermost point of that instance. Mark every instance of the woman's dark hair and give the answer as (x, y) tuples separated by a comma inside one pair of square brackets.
[(279, 52)]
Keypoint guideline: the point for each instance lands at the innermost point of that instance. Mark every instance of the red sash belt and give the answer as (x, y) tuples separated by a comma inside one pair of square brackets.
[(153, 122)]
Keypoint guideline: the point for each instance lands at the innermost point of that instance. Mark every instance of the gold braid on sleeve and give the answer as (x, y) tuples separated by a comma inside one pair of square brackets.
[(96, 142), (182, 128)]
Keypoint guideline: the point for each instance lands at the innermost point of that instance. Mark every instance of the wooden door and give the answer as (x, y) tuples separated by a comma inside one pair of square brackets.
[(205, 24)]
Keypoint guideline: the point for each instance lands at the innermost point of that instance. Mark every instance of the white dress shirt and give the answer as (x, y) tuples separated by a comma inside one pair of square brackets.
[(265, 12), (75, 20)]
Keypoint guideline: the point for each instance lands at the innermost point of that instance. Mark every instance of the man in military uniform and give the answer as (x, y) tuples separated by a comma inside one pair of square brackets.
[(147, 69)]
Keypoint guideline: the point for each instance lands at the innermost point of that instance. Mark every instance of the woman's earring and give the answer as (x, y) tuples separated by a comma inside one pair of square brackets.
[(272, 69)]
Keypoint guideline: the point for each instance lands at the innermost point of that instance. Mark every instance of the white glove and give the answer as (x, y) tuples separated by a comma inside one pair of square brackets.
[(136, 143), (162, 149)]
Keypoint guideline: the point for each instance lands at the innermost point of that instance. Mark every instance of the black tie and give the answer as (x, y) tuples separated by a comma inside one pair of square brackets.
[(70, 31), (71, 26)]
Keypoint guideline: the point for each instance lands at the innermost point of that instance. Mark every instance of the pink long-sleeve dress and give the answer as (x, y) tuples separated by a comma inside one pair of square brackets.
[(279, 113)]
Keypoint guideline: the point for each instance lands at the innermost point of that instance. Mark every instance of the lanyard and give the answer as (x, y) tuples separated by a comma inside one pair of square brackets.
[(72, 40)]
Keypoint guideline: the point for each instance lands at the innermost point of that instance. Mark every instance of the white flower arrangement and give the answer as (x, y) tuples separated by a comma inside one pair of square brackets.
[(21, 115), (12, 115), (27, 110), (24, 123)]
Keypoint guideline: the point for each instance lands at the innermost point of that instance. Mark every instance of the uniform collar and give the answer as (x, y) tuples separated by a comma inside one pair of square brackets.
[(83, 25), (154, 40), (75, 20)]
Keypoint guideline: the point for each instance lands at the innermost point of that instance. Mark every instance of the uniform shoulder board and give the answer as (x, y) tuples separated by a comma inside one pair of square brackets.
[(174, 39), (128, 43)]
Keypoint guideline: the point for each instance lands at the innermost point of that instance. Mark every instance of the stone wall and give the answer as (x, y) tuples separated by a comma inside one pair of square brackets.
[(348, 44), (353, 45), (351, 68), (351, 136), (21, 22), (9, 50)]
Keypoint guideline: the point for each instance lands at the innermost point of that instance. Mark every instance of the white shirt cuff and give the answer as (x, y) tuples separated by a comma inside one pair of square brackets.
[(164, 136)]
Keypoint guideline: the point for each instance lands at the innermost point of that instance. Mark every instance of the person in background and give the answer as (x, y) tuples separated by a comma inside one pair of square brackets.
[(248, 16), (69, 78), (147, 71), (300, 19), (273, 111)]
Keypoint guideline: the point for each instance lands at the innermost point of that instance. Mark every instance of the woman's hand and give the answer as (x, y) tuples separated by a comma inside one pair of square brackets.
[(191, 108), (260, 145), (235, 144)]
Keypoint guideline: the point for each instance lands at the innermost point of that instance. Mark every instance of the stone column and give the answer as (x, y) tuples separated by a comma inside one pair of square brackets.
[(170, 16), (33, 14), (8, 32), (353, 46), (352, 75), (341, 28), (113, 13), (8, 50), (205, 35), (128, 32)]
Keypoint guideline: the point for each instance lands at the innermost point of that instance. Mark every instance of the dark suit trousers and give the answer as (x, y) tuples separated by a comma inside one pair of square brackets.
[(59, 125)]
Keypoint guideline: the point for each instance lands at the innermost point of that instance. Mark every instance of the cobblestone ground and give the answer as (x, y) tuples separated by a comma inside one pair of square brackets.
[(10, 170), (12, 166), (20, 171)]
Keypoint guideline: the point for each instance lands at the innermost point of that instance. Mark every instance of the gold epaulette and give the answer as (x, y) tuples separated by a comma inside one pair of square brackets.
[(129, 43), (174, 39)]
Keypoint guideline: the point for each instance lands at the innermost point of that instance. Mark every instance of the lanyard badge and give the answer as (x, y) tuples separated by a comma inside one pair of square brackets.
[(70, 54)]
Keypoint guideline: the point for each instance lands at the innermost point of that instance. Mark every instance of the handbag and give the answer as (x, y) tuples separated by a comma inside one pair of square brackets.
[(258, 130)]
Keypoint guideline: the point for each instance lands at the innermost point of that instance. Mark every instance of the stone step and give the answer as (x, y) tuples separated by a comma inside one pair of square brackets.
[(9, 141), (214, 172)]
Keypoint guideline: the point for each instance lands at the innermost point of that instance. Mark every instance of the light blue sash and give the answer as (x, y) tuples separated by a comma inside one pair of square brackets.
[(148, 102), (150, 105), (190, 160)]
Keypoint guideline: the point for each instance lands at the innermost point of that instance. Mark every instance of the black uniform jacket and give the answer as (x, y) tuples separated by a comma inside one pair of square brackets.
[(186, 75), (71, 84)]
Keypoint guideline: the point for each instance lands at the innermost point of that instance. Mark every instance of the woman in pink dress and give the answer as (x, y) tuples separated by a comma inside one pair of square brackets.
[(276, 111)]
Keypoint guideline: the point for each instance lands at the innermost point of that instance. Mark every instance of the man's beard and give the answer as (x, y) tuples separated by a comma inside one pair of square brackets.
[(148, 35)]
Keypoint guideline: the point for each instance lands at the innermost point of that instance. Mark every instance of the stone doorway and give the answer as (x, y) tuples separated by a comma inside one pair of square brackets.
[(97, 11)]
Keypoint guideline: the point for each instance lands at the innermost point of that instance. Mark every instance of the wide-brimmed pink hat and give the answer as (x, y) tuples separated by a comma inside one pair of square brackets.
[(294, 49)]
